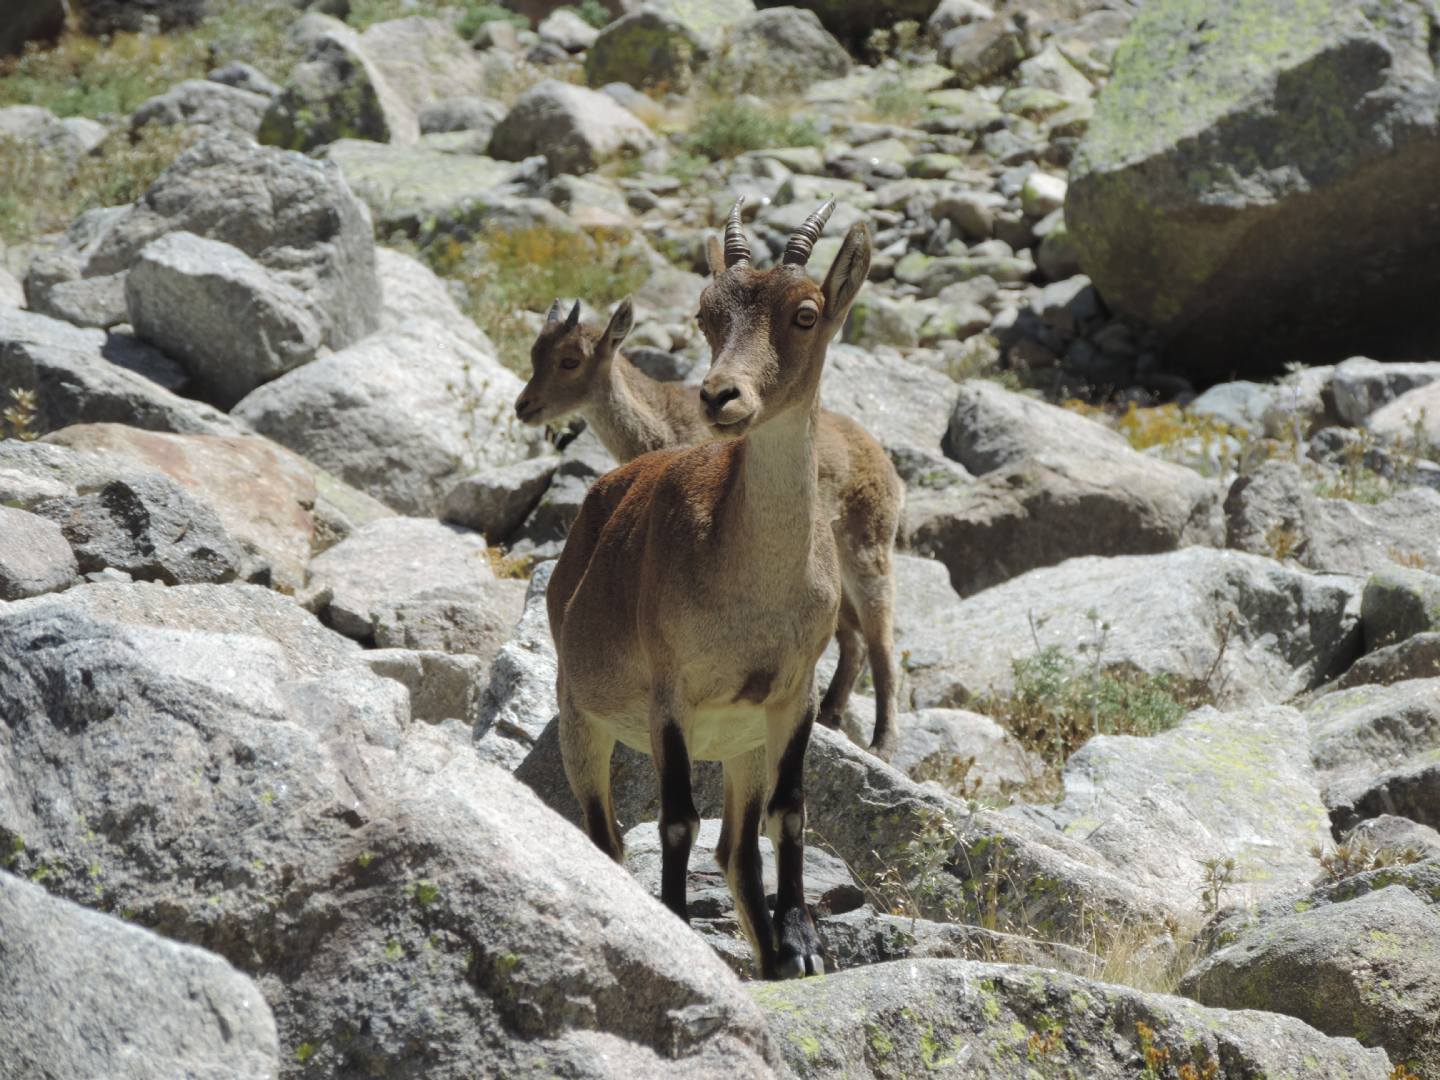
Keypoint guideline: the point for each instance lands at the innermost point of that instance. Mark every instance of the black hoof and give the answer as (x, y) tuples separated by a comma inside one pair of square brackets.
[(798, 952)]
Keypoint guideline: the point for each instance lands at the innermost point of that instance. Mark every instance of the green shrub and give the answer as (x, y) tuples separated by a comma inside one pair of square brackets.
[(592, 11), (727, 128), (477, 15)]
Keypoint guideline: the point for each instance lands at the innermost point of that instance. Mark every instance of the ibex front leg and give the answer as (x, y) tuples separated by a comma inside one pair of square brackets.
[(797, 944), (679, 823)]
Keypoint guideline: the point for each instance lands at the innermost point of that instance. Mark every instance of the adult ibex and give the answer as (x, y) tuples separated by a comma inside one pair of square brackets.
[(577, 367), (698, 587)]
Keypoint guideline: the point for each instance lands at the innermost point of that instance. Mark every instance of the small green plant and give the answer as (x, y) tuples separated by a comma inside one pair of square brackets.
[(512, 567), (1282, 540), (304, 1052), (1351, 857), (919, 883), (592, 11), (19, 418), (1217, 875), (897, 101), (1357, 482), (725, 128)]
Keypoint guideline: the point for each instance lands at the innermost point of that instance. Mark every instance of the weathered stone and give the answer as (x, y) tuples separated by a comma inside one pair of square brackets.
[(1241, 626), (337, 92), (390, 561), (87, 994), (495, 502), (358, 856), (35, 557), (781, 49), (1368, 968), (937, 737), (958, 1018), (1416, 657), (542, 536), (41, 131), (231, 323), (982, 52), (1053, 485), (82, 376), (245, 76), (567, 30), (1361, 386), (203, 106), (1201, 192), (1411, 790), (1398, 603), (645, 49), (574, 128), (443, 686), (1220, 786), (519, 701), (264, 495), (423, 60), (469, 113), (293, 215), (1274, 511), (474, 618), (95, 301), (1390, 833), (1412, 419), (706, 19), (1360, 732), (418, 190), (148, 526)]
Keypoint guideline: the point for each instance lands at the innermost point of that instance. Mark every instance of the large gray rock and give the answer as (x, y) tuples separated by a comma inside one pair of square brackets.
[(420, 189), (1220, 786), (400, 904), (780, 50), (402, 415), (904, 406), (293, 215), (266, 497), (67, 139), (1202, 195), (542, 536), (232, 324), (519, 700), (646, 48), (149, 527), (203, 106), (1246, 628), (1360, 732), (1274, 511), (1411, 790), (1416, 657), (390, 561), (1414, 413), (496, 501), (574, 128), (87, 994), (958, 1018), (82, 376), (1398, 603), (1368, 968), (706, 19), (338, 91), (423, 60), (940, 738), (35, 557), (1362, 386)]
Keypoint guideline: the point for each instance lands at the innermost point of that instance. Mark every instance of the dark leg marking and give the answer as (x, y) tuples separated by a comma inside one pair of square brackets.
[(797, 943), (678, 820), (750, 885), (597, 825)]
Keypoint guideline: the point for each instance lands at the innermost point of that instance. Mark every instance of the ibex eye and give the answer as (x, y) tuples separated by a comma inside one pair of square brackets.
[(807, 315), (570, 363)]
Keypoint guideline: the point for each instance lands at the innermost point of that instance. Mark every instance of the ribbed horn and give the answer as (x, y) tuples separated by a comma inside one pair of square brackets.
[(799, 246), (573, 319), (553, 315), (737, 248)]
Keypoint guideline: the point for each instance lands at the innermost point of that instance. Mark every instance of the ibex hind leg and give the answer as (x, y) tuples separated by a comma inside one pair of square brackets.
[(875, 602), (738, 854), (852, 658), (797, 944), (585, 750)]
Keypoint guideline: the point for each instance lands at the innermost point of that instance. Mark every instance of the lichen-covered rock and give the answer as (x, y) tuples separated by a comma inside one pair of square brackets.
[(423, 60), (1226, 142), (337, 92), (87, 994), (1235, 785), (469, 112), (1360, 732), (203, 105), (957, 1018), (645, 49), (1368, 968), (706, 19), (778, 50), (574, 128), (231, 323), (35, 557), (1260, 631)]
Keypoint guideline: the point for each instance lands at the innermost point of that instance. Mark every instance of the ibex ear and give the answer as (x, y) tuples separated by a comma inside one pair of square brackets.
[(714, 255), (620, 323), (553, 315), (847, 273)]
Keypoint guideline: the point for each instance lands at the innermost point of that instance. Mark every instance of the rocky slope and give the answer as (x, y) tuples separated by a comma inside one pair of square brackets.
[(276, 678)]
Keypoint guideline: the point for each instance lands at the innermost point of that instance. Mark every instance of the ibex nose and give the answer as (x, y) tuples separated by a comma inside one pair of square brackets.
[(525, 407), (715, 394)]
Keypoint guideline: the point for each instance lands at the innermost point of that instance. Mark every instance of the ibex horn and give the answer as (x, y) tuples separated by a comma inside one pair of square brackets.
[(553, 315), (573, 319), (737, 248), (797, 250)]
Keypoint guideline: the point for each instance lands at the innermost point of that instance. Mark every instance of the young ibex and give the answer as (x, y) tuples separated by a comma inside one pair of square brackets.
[(698, 587), (577, 367)]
